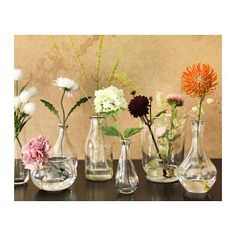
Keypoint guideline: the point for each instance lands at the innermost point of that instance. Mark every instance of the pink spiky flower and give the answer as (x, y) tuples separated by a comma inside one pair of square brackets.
[(175, 100)]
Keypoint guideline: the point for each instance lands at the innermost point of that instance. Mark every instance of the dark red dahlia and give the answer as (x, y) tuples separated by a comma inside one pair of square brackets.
[(138, 106)]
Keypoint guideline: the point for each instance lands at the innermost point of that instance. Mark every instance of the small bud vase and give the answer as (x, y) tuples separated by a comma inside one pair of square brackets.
[(60, 172), (98, 152), (126, 176), (197, 173)]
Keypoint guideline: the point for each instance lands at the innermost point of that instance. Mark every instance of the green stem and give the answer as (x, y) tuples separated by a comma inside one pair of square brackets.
[(18, 140), (63, 119), (147, 122)]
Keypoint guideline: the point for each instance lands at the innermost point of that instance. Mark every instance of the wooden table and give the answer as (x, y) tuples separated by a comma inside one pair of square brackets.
[(85, 190)]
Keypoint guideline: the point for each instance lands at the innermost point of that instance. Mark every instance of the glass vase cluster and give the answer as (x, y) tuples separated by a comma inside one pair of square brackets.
[(161, 155), (98, 152), (197, 173), (60, 172)]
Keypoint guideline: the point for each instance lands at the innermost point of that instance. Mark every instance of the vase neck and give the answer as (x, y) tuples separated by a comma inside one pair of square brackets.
[(125, 148), (96, 121), (197, 134)]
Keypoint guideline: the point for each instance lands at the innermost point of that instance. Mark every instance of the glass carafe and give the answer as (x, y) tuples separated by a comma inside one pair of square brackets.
[(126, 177), (21, 175), (197, 173), (60, 172), (98, 152)]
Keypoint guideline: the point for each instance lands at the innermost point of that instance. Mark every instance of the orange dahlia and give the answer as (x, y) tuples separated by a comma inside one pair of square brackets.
[(199, 80)]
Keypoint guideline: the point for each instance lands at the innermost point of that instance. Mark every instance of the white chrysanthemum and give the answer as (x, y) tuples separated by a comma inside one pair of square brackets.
[(109, 100), (29, 108), (16, 102), (25, 96), (17, 74), (33, 91), (66, 83)]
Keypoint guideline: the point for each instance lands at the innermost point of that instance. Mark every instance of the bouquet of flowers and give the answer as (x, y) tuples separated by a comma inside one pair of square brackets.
[(23, 107)]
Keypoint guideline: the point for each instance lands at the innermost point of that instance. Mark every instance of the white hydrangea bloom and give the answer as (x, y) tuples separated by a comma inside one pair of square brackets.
[(109, 100), (29, 108), (25, 96), (33, 91), (66, 83), (16, 102), (17, 74)]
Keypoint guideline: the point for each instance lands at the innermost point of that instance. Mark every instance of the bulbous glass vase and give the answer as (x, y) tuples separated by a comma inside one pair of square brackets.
[(60, 172), (126, 177), (98, 152), (170, 142), (197, 173)]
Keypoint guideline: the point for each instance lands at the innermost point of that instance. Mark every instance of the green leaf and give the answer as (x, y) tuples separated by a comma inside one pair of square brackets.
[(111, 131), (51, 108), (24, 87), (113, 114), (131, 131), (77, 104)]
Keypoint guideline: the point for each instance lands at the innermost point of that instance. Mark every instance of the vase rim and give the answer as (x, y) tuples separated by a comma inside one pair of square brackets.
[(124, 140), (97, 116), (63, 125), (201, 122)]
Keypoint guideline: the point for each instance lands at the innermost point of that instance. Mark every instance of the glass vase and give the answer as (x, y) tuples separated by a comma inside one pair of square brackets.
[(98, 152), (197, 173), (169, 142), (21, 175), (60, 172), (126, 177)]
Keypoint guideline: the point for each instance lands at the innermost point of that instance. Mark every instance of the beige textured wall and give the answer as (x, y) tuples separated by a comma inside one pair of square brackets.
[(155, 63)]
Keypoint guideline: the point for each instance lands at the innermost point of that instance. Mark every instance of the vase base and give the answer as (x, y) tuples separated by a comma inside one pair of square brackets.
[(98, 177), (162, 179), (126, 191), (20, 181), (197, 186)]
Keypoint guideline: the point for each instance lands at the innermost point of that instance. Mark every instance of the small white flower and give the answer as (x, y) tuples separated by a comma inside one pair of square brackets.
[(194, 109), (109, 100), (17, 74), (29, 108), (66, 83), (33, 91), (25, 96), (16, 102), (209, 100)]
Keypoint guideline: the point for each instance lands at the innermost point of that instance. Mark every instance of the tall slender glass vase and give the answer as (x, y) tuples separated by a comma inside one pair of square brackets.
[(21, 175), (126, 176), (98, 152), (197, 173)]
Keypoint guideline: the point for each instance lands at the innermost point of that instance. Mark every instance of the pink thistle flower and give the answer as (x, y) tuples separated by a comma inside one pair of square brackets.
[(175, 100), (36, 153), (160, 131)]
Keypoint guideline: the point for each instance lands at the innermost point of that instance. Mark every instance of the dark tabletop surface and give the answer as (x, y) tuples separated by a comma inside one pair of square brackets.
[(85, 190)]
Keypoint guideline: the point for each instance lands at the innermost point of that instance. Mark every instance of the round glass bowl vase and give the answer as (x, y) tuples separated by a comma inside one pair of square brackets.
[(56, 175)]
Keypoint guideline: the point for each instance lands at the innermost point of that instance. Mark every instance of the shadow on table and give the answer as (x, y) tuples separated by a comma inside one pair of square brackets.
[(65, 195), (197, 197)]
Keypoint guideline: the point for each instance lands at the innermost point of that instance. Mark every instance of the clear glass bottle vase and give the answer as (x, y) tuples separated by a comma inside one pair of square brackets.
[(163, 148), (60, 172), (197, 173), (21, 175), (98, 152), (126, 176)]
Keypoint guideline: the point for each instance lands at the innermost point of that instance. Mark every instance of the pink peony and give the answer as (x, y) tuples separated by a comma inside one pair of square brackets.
[(160, 131), (36, 152), (175, 99)]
